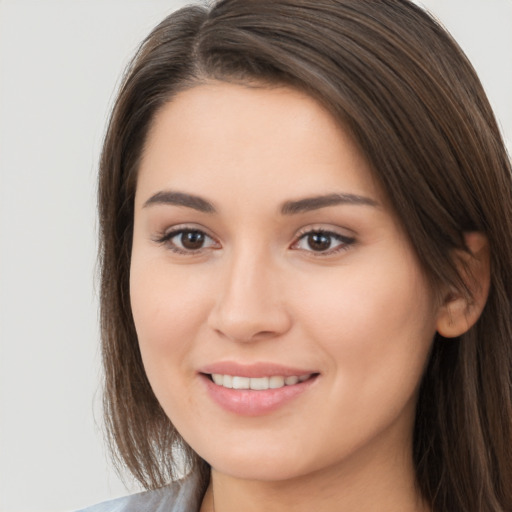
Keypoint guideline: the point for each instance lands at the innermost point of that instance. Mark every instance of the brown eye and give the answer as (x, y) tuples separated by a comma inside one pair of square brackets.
[(192, 240), (318, 241), (188, 241), (323, 242)]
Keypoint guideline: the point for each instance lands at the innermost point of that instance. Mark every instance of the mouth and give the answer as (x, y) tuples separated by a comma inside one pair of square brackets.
[(258, 388), (257, 395), (238, 382)]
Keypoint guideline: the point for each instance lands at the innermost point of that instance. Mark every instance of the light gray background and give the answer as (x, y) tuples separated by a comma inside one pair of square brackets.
[(60, 61)]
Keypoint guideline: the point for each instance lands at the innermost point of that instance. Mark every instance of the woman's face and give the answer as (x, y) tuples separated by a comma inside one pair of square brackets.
[(265, 256)]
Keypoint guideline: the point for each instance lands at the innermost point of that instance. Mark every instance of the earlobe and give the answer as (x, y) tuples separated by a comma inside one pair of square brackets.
[(459, 313)]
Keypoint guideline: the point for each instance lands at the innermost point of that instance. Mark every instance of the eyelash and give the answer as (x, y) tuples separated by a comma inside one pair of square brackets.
[(166, 239), (345, 242)]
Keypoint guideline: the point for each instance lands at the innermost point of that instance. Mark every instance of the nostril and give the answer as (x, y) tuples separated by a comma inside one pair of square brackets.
[(244, 314)]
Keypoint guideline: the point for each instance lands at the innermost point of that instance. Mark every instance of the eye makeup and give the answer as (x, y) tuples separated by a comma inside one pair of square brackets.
[(192, 240)]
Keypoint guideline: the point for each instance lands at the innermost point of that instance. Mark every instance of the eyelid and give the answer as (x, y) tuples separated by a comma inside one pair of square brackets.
[(347, 241), (165, 237)]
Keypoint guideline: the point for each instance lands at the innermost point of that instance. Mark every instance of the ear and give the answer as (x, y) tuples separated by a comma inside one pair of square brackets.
[(459, 313)]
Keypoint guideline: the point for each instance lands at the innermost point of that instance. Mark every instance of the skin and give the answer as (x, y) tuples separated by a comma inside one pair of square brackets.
[(360, 314)]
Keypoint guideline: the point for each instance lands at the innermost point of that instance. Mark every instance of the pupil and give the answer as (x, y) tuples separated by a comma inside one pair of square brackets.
[(192, 240), (319, 241)]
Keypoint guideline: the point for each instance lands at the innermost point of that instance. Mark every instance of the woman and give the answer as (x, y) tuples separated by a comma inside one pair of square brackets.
[(306, 227)]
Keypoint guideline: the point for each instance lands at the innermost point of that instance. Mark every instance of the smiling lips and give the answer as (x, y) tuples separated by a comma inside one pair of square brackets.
[(256, 389)]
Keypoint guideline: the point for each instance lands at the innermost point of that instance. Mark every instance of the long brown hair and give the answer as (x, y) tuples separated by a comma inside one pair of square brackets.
[(392, 76)]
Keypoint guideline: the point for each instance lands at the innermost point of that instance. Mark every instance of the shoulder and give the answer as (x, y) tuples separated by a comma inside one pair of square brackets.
[(179, 496)]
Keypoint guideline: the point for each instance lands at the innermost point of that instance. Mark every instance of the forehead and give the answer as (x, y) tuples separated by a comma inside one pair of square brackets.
[(266, 138)]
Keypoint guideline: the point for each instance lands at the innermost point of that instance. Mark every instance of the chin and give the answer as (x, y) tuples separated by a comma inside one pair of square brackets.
[(262, 463), (264, 471)]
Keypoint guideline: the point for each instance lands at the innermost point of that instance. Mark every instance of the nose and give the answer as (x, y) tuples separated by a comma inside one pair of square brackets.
[(250, 304)]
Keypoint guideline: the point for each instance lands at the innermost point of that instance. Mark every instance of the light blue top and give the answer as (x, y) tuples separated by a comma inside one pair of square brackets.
[(177, 497)]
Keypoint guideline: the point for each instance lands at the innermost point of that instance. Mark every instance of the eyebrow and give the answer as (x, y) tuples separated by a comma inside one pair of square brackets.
[(170, 197), (181, 199), (315, 203)]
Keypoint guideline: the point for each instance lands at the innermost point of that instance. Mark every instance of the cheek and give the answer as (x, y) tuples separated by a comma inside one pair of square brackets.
[(168, 310), (376, 326)]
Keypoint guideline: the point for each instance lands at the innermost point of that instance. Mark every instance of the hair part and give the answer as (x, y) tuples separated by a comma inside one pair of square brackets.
[(393, 77)]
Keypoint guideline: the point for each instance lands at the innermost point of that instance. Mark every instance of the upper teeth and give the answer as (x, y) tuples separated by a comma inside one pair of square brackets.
[(257, 383)]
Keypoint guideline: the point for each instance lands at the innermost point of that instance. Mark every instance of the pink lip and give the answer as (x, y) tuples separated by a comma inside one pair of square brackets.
[(254, 370), (248, 402)]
